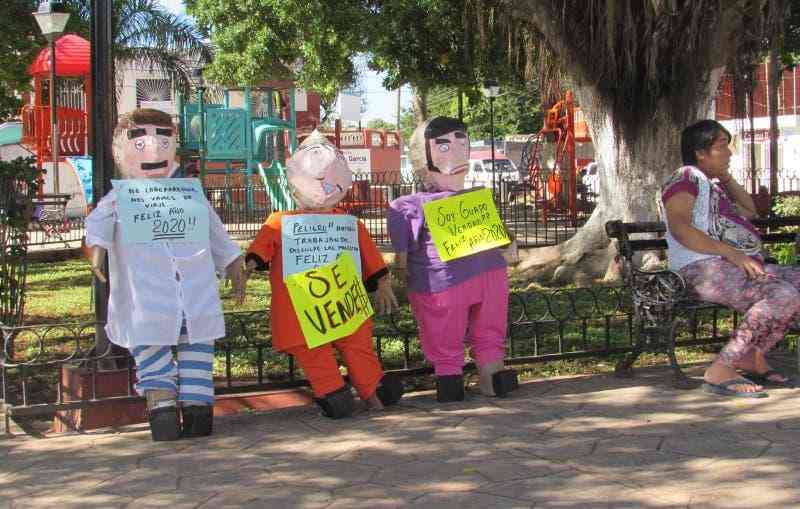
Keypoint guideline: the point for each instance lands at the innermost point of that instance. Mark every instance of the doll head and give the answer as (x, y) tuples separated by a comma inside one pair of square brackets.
[(318, 173), (439, 153), (144, 144)]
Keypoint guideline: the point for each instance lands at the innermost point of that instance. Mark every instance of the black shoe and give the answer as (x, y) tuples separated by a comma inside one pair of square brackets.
[(198, 420), (164, 424), (390, 389), (504, 382), (449, 388), (337, 404)]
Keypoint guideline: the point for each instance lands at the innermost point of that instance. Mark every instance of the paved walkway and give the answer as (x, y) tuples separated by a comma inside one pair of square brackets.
[(583, 442)]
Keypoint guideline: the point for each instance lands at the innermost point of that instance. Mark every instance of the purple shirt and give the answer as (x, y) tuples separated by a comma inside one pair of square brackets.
[(427, 273)]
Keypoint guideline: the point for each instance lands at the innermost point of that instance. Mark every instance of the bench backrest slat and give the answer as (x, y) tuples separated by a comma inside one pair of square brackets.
[(627, 247)]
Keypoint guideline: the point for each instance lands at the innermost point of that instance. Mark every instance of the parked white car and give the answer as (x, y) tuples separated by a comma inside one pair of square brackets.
[(480, 172)]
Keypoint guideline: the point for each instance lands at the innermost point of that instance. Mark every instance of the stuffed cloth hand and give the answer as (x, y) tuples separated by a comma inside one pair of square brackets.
[(235, 272), (385, 301)]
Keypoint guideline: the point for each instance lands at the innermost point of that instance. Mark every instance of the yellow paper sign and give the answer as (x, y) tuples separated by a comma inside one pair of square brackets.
[(330, 301), (465, 224)]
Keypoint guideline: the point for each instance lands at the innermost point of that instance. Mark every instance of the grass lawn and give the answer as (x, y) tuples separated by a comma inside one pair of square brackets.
[(60, 292)]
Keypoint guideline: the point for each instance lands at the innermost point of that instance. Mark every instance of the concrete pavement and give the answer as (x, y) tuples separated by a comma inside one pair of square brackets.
[(579, 442)]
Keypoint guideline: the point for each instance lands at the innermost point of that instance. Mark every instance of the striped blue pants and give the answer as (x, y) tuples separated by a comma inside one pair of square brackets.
[(191, 379)]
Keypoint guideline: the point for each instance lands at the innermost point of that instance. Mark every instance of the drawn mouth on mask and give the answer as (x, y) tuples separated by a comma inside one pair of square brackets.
[(154, 166)]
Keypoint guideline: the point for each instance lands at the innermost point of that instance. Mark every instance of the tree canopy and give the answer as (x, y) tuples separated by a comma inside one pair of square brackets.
[(146, 33), (19, 43), (516, 110), (424, 43), (313, 41), (143, 32)]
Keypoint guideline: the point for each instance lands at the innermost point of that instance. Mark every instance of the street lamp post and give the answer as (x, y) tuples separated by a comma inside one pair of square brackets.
[(52, 19), (201, 150), (491, 89)]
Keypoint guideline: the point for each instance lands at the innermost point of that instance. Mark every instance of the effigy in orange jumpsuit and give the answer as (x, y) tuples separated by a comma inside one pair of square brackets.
[(330, 178)]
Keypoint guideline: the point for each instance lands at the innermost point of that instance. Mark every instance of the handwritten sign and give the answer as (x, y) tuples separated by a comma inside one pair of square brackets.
[(330, 301), (309, 241), (162, 210), (465, 224)]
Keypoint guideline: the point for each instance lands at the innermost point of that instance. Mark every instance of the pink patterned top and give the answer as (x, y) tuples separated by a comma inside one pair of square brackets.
[(714, 213)]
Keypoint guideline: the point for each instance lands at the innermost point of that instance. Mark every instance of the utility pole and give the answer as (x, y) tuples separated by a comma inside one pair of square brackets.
[(398, 108), (773, 87)]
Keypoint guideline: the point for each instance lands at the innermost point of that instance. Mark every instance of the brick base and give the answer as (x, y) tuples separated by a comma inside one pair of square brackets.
[(77, 385)]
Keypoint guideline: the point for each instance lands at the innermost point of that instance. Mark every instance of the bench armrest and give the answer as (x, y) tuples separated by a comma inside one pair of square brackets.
[(656, 293)]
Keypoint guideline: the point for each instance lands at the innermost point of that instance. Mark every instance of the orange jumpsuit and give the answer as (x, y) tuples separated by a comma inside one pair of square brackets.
[(319, 364)]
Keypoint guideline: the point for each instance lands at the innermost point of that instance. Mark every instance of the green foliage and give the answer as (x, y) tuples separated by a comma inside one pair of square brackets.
[(787, 206), (790, 55), (17, 187), (785, 252), (516, 110), (379, 123), (313, 41), (19, 43), (146, 33), (421, 42), (426, 43)]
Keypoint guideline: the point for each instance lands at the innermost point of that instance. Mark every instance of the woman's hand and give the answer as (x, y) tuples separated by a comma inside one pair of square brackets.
[(752, 268)]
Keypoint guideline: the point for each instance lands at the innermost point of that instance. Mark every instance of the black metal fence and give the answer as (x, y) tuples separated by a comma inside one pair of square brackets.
[(536, 220), (538, 217), (543, 326)]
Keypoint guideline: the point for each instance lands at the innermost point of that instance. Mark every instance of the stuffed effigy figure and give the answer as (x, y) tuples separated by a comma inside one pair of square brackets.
[(458, 299), (298, 248), (165, 247)]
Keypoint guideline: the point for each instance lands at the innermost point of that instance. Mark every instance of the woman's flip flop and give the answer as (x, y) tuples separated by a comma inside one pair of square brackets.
[(722, 389)]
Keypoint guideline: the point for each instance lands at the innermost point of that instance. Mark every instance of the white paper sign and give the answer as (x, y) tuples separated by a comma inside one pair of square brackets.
[(349, 108), (162, 210), (358, 159), (300, 100), (309, 241)]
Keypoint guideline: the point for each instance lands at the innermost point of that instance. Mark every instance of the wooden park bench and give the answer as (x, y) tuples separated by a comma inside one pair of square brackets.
[(659, 296)]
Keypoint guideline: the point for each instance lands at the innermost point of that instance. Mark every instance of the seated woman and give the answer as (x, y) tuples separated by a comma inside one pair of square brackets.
[(717, 251)]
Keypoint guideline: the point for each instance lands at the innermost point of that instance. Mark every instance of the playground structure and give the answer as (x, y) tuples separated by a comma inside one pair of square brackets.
[(554, 190), (237, 138), (73, 74), (55, 207), (241, 133)]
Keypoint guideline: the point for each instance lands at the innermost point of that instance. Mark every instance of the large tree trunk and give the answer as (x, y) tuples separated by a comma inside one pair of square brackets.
[(636, 150), (630, 177), (420, 103)]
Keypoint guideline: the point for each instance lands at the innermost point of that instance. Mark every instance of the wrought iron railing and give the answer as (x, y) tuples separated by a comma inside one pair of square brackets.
[(244, 208), (543, 326)]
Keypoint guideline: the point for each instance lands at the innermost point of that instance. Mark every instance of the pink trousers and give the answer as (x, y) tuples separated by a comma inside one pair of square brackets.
[(475, 310)]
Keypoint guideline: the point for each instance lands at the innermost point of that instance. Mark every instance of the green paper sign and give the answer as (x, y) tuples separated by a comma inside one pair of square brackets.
[(330, 301), (465, 224)]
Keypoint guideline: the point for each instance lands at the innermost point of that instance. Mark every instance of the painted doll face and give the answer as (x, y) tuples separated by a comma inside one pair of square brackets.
[(148, 151), (318, 175), (449, 160)]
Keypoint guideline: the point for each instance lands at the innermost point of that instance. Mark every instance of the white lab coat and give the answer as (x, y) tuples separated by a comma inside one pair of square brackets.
[(153, 287)]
